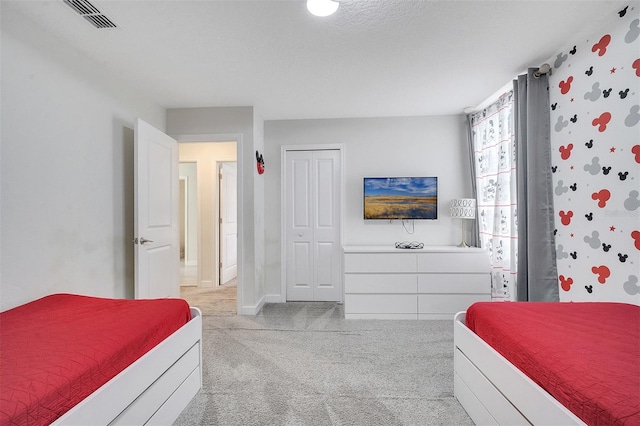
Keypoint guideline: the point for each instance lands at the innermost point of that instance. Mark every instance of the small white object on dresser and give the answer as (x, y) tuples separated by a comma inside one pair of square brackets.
[(434, 282)]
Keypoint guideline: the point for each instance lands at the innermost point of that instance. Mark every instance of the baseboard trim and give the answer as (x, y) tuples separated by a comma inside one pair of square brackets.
[(253, 309), (274, 298), (207, 284)]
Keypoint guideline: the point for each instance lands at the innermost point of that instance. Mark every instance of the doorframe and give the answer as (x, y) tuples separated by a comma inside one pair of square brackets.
[(283, 209), (237, 138)]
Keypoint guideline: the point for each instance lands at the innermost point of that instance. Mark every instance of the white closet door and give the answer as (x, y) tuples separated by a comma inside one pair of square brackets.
[(312, 221)]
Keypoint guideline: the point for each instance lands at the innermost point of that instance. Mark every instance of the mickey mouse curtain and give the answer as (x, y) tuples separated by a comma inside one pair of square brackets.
[(493, 140)]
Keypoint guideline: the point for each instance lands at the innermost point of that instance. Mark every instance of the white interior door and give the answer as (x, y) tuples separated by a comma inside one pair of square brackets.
[(228, 233), (312, 225), (156, 221)]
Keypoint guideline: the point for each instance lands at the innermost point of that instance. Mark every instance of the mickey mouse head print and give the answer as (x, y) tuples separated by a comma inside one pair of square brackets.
[(259, 163)]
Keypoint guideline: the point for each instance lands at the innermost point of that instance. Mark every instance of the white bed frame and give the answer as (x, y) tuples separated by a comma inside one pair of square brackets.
[(154, 389), (494, 392)]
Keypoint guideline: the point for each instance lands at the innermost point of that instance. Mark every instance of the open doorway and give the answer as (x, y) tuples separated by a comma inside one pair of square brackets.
[(203, 208)]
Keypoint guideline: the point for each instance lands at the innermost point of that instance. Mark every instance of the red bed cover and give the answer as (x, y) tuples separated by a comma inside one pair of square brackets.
[(57, 350), (587, 355)]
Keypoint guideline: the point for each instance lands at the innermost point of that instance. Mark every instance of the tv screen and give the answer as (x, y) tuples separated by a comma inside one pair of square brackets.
[(401, 198)]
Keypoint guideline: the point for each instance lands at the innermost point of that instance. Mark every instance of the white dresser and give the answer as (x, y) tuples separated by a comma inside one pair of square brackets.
[(430, 283)]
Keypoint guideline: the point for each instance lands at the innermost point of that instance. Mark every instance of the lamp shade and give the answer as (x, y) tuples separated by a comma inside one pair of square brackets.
[(463, 208)]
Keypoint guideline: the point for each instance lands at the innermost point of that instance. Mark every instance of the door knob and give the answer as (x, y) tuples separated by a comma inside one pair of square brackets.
[(142, 241)]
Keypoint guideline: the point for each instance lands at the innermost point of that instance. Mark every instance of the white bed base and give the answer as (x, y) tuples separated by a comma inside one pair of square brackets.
[(154, 389), (494, 392)]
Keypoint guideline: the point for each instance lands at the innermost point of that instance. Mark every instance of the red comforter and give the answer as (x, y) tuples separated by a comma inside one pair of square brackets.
[(57, 350), (587, 355)]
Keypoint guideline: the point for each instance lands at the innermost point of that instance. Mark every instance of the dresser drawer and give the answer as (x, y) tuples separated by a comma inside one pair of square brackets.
[(457, 262), (448, 303), (381, 303), (454, 283), (379, 262), (380, 283)]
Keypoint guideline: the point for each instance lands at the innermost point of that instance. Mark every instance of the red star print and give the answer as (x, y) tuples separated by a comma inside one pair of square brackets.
[(571, 235), (571, 167), (613, 70), (571, 99), (612, 228), (612, 149)]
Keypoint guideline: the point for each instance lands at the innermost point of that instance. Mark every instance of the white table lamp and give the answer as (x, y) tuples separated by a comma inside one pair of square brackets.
[(463, 208)]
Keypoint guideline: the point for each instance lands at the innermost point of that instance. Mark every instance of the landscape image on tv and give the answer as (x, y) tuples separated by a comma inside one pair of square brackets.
[(401, 198)]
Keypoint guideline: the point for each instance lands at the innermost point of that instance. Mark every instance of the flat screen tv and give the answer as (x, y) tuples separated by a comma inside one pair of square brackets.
[(392, 198)]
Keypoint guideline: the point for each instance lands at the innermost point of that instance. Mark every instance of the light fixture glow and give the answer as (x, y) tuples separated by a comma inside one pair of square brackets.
[(322, 7)]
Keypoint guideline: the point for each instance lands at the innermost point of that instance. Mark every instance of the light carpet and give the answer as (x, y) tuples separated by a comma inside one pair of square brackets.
[(304, 364)]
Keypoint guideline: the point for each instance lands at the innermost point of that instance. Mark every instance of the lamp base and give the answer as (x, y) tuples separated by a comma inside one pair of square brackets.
[(463, 244)]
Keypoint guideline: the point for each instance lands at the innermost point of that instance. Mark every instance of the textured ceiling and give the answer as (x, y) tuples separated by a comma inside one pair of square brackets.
[(370, 59)]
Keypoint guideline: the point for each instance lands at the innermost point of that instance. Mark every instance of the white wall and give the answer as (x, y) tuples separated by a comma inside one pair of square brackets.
[(402, 146), (66, 169)]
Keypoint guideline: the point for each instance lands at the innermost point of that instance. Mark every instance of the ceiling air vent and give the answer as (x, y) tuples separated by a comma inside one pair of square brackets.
[(91, 13)]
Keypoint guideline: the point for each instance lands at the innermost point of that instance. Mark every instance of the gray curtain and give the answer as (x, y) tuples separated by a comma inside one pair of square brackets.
[(474, 237), (537, 278)]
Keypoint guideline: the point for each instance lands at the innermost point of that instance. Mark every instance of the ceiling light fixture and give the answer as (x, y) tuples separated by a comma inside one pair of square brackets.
[(322, 7)]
